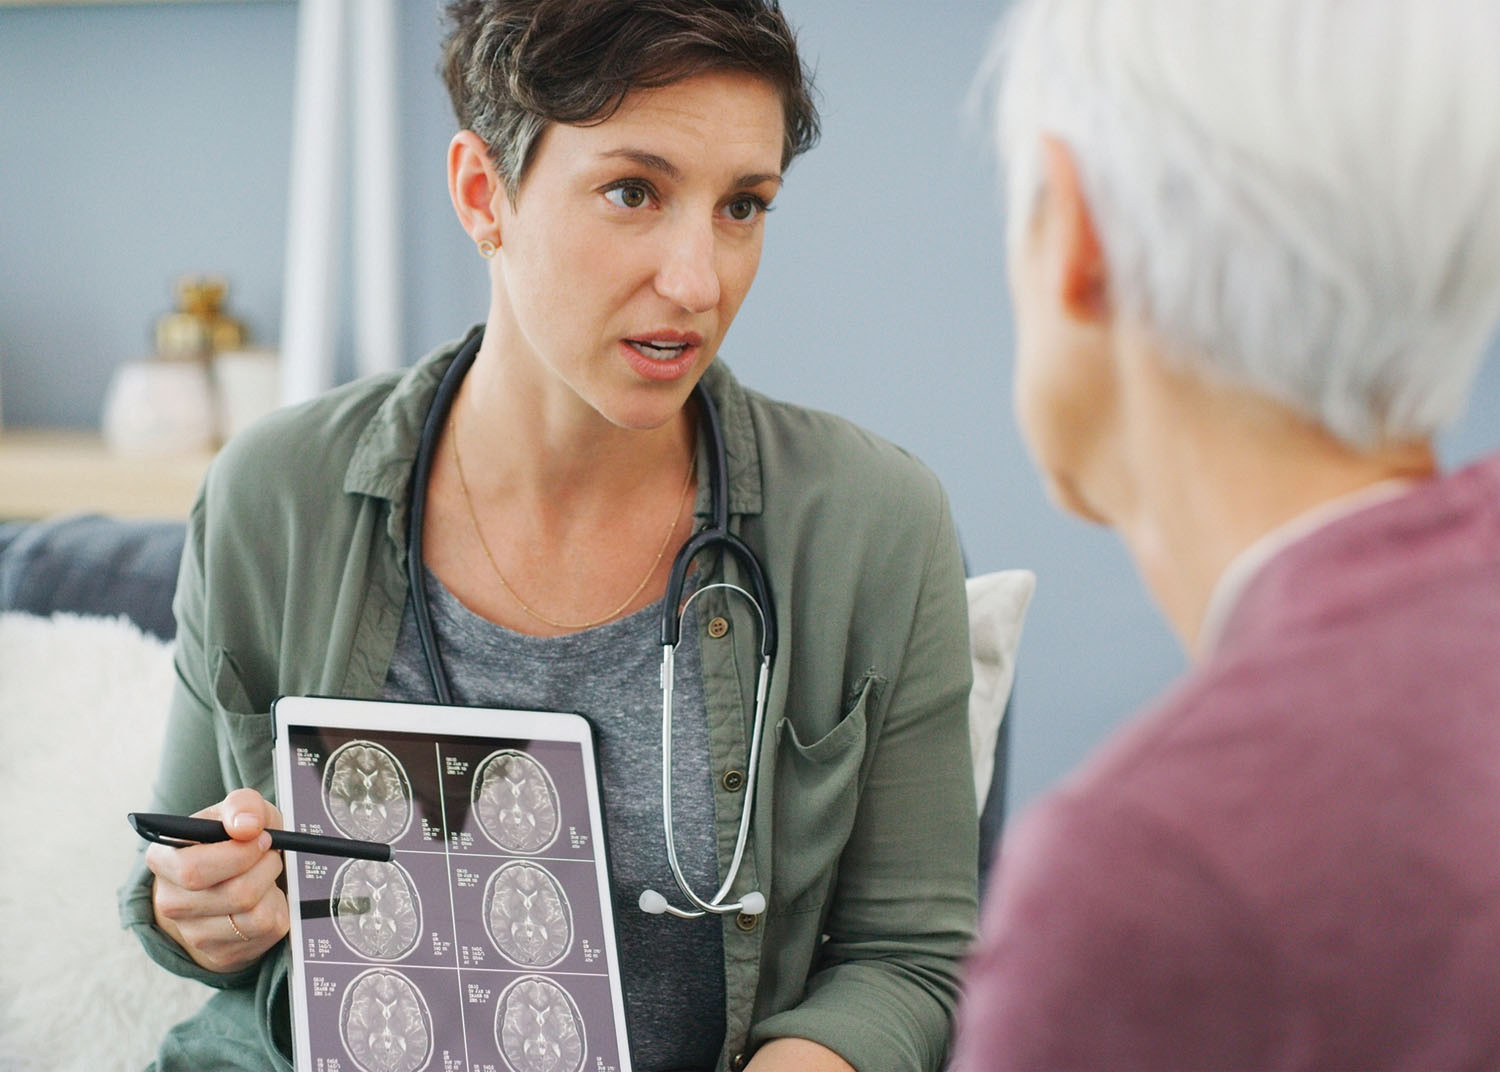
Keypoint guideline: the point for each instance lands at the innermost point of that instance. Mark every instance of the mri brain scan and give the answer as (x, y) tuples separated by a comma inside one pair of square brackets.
[(528, 916), (366, 792), (516, 802), (539, 1028), (378, 911), (386, 1024)]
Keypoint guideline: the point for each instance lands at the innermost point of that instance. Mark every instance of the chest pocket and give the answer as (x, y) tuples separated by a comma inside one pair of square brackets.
[(816, 798), (244, 734)]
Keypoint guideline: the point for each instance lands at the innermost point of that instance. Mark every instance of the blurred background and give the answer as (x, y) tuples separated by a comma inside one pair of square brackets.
[(143, 141)]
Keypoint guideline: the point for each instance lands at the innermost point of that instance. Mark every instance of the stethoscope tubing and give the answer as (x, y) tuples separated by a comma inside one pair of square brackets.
[(421, 470), (762, 681), (715, 536)]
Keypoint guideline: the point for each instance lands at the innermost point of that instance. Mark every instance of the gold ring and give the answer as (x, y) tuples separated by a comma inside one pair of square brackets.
[(239, 933)]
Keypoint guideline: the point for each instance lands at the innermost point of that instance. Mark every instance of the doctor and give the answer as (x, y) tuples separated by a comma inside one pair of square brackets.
[(615, 169)]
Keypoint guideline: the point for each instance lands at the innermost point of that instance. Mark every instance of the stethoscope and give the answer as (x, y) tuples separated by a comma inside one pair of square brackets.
[(716, 536)]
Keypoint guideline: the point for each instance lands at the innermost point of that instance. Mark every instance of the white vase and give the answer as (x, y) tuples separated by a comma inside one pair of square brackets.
[(159, 408)]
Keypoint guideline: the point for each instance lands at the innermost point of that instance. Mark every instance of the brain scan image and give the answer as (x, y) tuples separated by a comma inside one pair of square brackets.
[(366, 792), (377, 909), (539, 1028), (516, 802), (527, 915), (385, 1023)]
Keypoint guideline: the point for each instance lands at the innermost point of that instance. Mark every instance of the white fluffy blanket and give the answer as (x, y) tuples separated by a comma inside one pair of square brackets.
[(82, 705)]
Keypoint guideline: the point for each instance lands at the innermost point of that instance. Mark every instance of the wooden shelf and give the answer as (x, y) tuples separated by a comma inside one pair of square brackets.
[(44, 473)]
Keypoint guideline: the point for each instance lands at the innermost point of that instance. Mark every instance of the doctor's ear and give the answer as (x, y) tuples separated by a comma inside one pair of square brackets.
[(473, 186), (1082, 274)]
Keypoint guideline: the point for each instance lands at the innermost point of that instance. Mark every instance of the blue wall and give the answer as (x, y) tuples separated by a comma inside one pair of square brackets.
[(141, 141), (136, 144)]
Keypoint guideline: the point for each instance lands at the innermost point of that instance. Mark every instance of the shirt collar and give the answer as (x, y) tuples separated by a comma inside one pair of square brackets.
[(739, 442), (1244, 567)]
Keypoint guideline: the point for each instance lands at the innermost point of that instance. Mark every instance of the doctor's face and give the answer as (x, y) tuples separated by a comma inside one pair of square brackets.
[(632, 243)]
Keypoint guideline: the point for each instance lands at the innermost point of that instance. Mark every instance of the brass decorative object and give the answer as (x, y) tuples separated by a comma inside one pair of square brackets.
[(199, 327)]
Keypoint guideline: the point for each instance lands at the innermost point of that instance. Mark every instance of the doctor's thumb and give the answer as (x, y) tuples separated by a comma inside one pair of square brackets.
[(244, 814)]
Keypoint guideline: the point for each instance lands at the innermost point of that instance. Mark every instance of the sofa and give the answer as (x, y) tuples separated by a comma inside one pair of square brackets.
[(92, 565), (85, 677)]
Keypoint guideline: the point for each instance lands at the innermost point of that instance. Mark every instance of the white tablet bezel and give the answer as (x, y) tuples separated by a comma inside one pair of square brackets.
[(495, 726)]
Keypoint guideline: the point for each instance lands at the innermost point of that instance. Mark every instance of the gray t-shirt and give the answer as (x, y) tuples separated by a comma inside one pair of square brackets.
[(673, 968)]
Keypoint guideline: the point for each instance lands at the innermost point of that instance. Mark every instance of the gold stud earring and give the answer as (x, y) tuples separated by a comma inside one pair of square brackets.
[(487, 248)]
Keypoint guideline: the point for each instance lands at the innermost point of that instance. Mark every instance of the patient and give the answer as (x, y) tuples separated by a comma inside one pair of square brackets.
[(1255, 259)]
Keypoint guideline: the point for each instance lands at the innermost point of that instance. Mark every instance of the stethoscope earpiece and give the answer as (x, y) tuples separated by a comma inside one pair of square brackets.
[(654, 904)]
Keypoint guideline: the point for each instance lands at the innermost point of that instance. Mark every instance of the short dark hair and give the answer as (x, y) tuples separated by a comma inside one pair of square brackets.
[(513, 67)]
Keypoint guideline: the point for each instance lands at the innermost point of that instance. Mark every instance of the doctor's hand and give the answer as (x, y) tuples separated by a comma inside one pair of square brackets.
[(221, 901)]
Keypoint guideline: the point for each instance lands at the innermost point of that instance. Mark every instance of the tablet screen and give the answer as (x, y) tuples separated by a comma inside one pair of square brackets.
[(487, 943)]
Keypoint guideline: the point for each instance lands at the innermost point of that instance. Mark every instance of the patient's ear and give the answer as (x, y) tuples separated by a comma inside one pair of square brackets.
[(473, 185), (1082, 275)]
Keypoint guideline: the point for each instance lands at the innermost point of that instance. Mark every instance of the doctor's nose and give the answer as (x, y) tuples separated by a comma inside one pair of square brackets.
[(688, 274)]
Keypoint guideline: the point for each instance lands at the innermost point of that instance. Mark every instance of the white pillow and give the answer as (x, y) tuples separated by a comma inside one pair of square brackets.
[(997, 610), (82, 707)]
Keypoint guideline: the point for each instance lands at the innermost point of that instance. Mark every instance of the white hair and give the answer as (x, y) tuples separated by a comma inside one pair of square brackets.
[(1298, 196)]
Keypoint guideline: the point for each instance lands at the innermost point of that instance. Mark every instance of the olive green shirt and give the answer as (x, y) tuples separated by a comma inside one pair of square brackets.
[(864, 831)]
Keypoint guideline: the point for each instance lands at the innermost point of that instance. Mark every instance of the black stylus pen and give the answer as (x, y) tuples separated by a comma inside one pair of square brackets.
[(181, 830)]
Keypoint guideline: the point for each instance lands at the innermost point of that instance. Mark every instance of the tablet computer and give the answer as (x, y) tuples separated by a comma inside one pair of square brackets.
[(487, 944)]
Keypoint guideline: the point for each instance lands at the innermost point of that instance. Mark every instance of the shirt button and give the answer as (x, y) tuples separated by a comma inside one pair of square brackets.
[(738, 1062), (745, 921), (733, 780), (717, 627)]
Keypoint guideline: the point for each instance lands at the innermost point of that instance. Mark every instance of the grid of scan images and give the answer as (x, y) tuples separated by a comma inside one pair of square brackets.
[(481, 946)]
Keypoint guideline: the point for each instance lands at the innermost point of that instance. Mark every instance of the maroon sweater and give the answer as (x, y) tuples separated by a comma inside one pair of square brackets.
[(1292, 861)]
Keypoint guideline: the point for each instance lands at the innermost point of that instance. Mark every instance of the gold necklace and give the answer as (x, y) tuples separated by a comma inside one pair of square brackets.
[(474, 521)]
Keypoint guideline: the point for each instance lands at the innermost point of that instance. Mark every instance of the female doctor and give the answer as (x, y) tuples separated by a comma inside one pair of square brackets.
[(615, 169)]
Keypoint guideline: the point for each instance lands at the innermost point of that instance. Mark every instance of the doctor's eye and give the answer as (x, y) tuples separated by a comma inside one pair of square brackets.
[(628, 194), (746, 208)]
